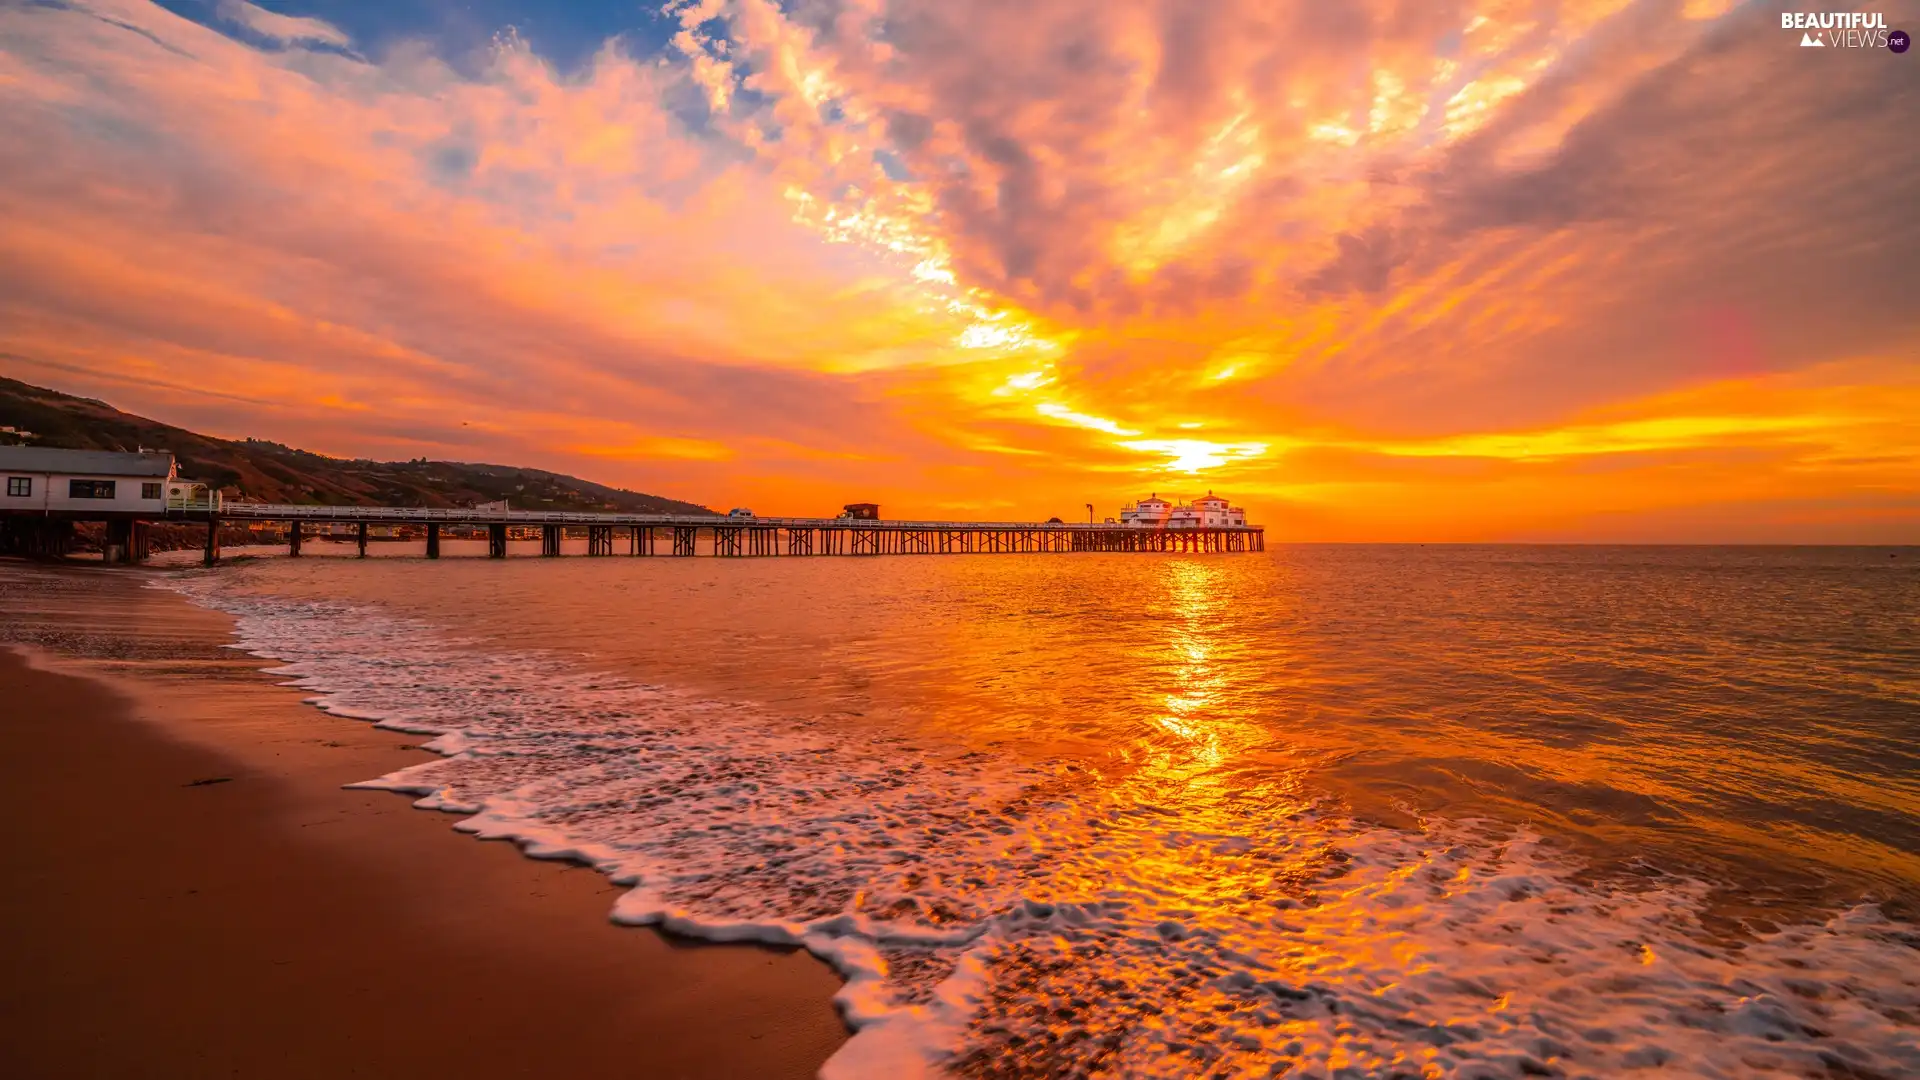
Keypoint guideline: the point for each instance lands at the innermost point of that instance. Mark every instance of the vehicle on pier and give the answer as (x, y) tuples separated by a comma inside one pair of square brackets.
[(739, 512)]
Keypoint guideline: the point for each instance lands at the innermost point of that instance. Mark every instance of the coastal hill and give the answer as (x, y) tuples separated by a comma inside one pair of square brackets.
[(269, 472)]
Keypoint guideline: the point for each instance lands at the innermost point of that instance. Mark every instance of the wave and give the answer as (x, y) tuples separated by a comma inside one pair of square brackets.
[(1000, 916)]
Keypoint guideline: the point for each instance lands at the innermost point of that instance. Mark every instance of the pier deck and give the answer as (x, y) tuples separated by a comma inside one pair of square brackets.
[(683, 534)]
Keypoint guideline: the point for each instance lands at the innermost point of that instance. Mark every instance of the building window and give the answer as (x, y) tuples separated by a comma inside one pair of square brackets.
[(89, 489), (19, 486), (150, 491)]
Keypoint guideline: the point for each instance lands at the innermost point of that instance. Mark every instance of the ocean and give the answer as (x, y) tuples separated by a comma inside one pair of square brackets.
[(1323, 811)]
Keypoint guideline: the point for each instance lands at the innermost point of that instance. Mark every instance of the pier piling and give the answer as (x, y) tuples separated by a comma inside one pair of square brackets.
[(117, 546)]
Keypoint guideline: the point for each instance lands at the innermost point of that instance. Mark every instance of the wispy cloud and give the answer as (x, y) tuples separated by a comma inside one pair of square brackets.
[(283, 29)]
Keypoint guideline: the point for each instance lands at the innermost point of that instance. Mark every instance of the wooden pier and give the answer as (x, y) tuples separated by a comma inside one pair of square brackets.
[(735, 537)]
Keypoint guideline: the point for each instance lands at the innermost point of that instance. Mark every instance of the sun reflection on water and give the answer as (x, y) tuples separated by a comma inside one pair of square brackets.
[(1201, 723), (1197, 682)]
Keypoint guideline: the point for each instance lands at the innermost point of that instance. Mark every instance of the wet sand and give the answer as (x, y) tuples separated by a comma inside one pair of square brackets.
[(190, 891)]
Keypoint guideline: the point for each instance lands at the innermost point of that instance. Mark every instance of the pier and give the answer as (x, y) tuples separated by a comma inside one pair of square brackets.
[(49, 490), (728, 537)]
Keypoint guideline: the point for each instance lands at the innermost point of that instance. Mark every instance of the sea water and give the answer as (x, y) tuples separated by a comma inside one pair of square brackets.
[(1320, 811)]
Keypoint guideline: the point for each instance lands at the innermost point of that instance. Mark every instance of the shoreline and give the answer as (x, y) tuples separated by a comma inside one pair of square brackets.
[(197, 893)]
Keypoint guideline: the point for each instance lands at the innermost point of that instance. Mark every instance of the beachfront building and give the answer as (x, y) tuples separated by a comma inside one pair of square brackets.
[(84, 482), (47, 490)]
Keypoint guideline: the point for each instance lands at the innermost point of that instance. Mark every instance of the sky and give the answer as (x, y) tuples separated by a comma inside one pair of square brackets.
[(1384, 270)]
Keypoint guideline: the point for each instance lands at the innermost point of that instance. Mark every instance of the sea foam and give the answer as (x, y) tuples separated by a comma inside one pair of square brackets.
[(999, 916)]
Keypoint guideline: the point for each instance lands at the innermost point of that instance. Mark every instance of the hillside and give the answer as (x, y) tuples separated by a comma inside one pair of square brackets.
[(269, 472)]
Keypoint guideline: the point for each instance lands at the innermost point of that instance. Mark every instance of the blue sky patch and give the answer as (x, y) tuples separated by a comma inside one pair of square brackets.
[(564, 34)]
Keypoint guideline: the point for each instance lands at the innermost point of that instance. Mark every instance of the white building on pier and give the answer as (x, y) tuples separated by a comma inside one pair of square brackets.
[(1150, 512), (1211, 512)]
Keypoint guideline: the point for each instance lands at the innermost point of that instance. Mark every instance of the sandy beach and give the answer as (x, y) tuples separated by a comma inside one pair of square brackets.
[(191, 892)]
